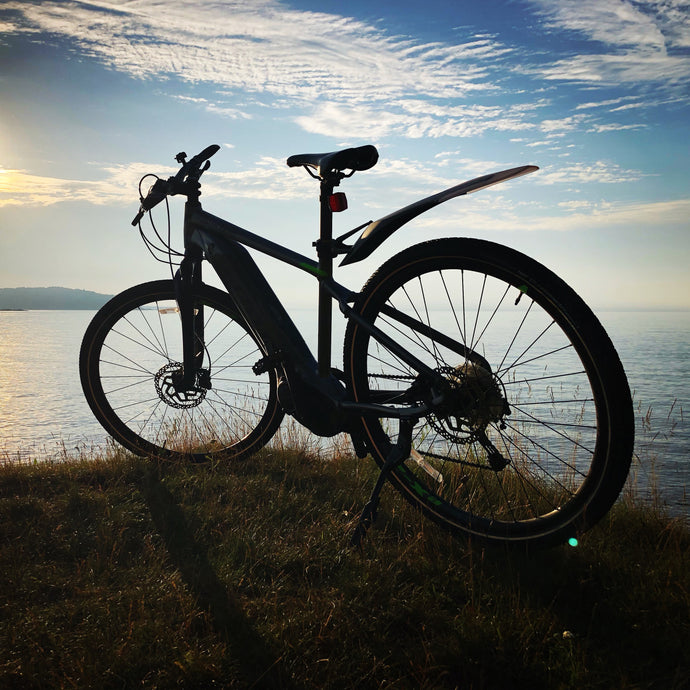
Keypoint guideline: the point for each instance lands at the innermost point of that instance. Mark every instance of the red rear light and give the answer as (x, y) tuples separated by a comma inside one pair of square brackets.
[(337, 202)]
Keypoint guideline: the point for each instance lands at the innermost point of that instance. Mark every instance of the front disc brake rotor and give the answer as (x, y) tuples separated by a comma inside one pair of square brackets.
[(165, 387)]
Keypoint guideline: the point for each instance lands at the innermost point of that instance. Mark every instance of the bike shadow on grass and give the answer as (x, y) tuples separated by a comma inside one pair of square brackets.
[(257, 662)]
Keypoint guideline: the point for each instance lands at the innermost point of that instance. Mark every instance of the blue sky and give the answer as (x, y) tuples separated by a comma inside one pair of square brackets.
[(595, 92)]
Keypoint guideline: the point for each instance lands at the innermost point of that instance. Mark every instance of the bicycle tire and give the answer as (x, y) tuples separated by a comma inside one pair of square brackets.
[(133, 347), (566, 435)]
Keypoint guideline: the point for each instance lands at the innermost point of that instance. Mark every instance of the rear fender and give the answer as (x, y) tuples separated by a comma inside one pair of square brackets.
[(378, 231)]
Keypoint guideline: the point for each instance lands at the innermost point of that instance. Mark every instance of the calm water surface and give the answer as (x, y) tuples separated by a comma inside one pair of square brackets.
[(43, 412)]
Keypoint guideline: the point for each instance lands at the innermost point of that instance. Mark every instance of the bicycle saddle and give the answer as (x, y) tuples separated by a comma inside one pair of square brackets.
[(359, 158)]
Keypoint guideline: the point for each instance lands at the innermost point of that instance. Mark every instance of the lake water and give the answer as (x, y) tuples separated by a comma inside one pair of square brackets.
[(43, 412)]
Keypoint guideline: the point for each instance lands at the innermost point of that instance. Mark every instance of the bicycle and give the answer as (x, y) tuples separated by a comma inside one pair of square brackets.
[(485, 389)]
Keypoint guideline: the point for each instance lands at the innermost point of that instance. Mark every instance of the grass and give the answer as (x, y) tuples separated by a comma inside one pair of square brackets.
[(119, 573)]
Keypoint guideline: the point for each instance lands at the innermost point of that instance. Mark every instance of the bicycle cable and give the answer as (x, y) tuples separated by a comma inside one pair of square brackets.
[(165, 247)]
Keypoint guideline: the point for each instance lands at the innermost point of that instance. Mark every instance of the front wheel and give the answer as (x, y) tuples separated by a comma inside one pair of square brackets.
[(131, 355), (532, 438)]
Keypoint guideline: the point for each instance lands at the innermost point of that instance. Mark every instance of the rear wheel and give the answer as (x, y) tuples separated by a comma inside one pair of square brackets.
[(131, 354), (533, 439)]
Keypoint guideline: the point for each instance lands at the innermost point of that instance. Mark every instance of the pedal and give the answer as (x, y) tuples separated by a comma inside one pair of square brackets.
[(267, 363)]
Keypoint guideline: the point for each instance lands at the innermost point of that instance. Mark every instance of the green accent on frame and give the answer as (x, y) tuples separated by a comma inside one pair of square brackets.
[(314, 270)]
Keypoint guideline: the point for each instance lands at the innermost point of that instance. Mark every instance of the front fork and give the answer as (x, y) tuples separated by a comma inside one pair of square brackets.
[(187, 283)]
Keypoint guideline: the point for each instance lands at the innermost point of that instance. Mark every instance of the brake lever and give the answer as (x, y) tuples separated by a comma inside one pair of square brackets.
[(157, 192)]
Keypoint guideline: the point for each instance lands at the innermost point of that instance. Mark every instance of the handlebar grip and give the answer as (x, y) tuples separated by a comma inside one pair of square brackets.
[(206, 154)]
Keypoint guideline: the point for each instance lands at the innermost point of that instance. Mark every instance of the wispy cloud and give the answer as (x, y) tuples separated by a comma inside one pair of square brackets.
[(599, 172), (614, 127), (611, 22), (575, 217), (611, 69), (416, 118), (601, 104), (118, 185), (653, 214), (351, 79), (344, 77), (265, 48), (631, 41), (268, 179), (214, 107)]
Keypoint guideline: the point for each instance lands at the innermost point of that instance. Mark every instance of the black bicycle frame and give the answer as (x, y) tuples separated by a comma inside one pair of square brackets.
[(223, 244)]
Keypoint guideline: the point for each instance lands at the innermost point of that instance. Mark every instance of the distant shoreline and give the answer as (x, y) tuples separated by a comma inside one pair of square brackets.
[(50, 298)]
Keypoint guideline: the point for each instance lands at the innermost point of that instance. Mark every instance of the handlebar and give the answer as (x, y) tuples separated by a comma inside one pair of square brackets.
[(186, 180)]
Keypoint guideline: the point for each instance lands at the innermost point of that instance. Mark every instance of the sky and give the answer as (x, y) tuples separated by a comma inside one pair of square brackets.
[(93, 95)]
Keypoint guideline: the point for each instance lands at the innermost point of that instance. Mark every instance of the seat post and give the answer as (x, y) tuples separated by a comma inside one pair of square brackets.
[(324, 251)]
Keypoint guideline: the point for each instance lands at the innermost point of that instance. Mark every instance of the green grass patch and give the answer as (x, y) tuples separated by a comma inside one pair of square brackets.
[(119, 573)]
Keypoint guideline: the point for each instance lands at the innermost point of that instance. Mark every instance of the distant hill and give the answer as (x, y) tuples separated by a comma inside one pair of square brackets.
[(50, 298)]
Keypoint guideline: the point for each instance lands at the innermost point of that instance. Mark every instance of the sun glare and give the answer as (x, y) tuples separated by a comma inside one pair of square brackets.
[(8, 180)]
